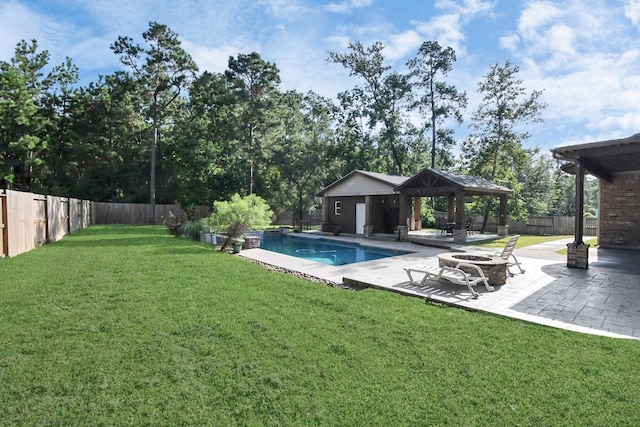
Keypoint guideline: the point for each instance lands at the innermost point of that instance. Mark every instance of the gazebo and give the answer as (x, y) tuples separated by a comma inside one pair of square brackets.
[(456, 187)]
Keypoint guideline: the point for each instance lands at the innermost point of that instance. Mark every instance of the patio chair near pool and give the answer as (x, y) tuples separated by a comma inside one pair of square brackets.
[(450, 274), (507, 254)]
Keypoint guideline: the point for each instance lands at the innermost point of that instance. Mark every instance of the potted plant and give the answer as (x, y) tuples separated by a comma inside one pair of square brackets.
[(239, 215), (237, 245)]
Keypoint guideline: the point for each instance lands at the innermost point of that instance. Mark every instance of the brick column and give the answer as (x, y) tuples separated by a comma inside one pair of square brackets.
[(403, 233), (577, 255)]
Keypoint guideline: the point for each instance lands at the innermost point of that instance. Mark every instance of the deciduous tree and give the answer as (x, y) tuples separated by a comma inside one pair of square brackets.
[(383, 100), (300, 156)]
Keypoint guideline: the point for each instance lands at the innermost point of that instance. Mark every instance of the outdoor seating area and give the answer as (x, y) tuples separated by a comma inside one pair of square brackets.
[(445, 227)]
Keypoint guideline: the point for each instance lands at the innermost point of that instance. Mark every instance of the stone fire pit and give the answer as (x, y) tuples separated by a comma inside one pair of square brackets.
[(494, 268)]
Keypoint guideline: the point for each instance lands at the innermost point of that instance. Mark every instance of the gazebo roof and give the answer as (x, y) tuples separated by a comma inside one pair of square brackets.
[(433, 182), (602, 158)]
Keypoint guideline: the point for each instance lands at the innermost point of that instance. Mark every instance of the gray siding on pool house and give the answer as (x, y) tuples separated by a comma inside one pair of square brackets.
[(376, 191)]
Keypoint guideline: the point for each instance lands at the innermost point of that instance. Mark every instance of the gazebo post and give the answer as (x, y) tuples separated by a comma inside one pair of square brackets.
[(503, 228), (450, 207), (459, 233)]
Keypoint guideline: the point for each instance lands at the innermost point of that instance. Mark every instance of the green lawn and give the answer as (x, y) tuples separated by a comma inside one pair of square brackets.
[(523, 240), (121, 325)]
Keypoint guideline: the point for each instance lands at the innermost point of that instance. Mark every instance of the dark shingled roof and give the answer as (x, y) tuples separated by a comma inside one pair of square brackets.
[(433, 182), (602, 158)]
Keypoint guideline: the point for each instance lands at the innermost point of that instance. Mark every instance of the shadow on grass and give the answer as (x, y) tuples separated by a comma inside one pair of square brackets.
[(119, 235)]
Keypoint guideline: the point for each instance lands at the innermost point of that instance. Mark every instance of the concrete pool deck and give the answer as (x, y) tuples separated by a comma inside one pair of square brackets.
[(602, 300)]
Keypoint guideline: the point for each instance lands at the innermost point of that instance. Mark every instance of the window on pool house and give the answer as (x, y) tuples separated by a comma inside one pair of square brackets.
[(336, 208)]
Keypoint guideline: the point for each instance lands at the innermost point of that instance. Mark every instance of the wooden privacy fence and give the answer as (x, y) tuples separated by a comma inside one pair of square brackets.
[(137, 213), (28, 220), (539, 225), (553, 225)]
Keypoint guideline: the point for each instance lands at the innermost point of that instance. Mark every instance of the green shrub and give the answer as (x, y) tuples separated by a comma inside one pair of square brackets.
[(239, 215), (193, 228)]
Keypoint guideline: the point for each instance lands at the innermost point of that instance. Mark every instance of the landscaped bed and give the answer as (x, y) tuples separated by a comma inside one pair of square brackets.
[(125, 325)]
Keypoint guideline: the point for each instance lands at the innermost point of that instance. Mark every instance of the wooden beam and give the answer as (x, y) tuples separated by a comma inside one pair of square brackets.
[(595, 170)]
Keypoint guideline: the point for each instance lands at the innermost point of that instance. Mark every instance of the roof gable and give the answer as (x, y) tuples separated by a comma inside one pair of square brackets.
[(433, 182), (363, 183)]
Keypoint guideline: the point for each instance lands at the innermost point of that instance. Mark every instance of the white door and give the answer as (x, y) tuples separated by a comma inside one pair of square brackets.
[(360, 218)]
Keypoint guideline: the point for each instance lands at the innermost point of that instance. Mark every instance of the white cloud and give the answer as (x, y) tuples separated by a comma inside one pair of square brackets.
[(18, 22), (347, 6), (403, 43), (467, 7), (510, 42), (285, 9), (632, 11), (591, 75), (535, 16), (448, 28)]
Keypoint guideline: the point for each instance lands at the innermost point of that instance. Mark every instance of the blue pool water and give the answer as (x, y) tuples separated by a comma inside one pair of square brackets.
[(324, 250)]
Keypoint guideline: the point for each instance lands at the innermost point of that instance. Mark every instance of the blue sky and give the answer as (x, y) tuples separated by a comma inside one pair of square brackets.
[(584, 54)]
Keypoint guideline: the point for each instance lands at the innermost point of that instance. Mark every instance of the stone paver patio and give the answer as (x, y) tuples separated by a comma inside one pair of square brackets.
[(603, 300)]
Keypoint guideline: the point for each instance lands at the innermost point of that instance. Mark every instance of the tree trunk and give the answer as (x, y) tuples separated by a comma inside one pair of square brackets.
[(152, 176)]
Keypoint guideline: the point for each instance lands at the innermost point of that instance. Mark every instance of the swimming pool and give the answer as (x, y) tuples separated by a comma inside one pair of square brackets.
[(323, 250)]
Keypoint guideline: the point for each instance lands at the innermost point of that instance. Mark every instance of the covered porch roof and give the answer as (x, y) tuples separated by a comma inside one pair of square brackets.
[(603, 158), (432, 182)]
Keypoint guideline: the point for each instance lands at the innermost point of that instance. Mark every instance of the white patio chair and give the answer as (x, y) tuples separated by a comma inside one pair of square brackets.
[(507, 254)]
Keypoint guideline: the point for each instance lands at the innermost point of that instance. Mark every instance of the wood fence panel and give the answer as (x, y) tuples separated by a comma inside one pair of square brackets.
[(75, 215), (4, 245), (40, 219), (203, 212), (64, 205), (56, 218), (136, 213), (86, 213), (591, 226), (26, 221), (120, 213), (564, 225)]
